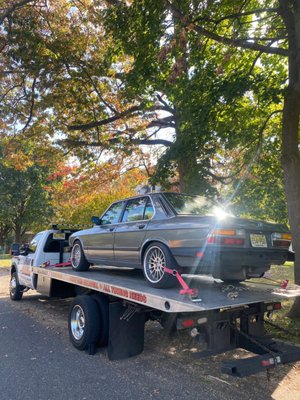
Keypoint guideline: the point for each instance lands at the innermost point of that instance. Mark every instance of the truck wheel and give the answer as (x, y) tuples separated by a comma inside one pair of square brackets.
[(78, 260), (158, 256), (84, 322), (15, 289)]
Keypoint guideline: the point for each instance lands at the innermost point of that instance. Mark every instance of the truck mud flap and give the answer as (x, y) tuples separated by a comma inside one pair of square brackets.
[(126, 336), (284, 354)]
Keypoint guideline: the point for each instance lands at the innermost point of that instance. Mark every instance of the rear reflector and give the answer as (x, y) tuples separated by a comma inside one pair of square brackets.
[(282, 240), (277, 306), (188, 323), (281, 243), (225, 232)]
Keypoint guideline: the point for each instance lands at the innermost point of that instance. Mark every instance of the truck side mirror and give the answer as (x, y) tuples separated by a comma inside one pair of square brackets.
[(96, 221), (15, 249)]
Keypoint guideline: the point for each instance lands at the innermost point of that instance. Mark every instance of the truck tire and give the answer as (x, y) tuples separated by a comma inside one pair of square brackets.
[(84, 322), (15, 289), (78, 260), (158, 256)]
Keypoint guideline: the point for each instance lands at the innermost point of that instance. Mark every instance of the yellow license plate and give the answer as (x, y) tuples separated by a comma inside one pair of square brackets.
[(258, 240)]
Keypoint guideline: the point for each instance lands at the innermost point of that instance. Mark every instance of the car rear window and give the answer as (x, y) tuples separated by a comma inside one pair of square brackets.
[(184, 204)]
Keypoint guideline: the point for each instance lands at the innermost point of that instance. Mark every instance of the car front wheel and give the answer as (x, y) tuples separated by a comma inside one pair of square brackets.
[(156, 258), (78, 260)]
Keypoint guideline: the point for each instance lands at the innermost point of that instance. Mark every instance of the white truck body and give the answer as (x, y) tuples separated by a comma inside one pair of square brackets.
[(41, 253)]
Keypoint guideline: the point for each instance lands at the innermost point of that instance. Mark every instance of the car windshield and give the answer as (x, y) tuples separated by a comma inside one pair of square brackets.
[(185, 204)]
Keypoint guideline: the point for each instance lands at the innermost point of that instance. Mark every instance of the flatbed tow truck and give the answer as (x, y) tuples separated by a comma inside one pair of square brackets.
[(111, 306)]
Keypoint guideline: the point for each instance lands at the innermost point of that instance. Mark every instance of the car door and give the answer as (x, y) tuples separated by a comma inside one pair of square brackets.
[(130, 233), (100, 242), (26, 262)]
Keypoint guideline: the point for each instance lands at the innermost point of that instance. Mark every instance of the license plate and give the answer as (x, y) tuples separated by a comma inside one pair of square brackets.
[(258, 240)]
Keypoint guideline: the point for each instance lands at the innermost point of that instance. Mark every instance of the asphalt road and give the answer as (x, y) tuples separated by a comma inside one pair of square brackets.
[(37, 361)]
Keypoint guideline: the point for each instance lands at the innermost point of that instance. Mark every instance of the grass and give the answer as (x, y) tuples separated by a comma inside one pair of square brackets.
[(5, 263), (291, 326)]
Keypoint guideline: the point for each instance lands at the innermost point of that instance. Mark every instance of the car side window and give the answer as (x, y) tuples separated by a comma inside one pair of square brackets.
[(134, 210), (149, 210), (113, 214)]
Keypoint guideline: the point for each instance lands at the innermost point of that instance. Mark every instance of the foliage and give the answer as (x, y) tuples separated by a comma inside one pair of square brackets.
[(81, 194), (24, 203)]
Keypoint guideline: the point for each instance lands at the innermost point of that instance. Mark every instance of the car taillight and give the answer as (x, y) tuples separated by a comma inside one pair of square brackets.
[(281, 240), (229, 237)]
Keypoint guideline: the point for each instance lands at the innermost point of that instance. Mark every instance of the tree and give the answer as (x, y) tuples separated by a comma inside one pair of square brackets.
[(79, 194), (262, 27), (24, 202)]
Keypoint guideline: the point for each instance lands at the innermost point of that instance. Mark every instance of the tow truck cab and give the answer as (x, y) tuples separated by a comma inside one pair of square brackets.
[(49, 246)]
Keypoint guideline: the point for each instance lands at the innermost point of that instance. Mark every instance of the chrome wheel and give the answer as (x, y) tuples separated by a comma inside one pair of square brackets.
[(154, 264), (13, 285), (15, 289), (78, 260), (77, 322), (76, 255)]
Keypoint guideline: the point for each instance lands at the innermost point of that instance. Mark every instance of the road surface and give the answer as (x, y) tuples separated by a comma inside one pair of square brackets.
[(37, 361)]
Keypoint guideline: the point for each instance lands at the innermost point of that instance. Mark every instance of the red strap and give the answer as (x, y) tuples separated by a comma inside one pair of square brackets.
[(57, 265), (185, 288)]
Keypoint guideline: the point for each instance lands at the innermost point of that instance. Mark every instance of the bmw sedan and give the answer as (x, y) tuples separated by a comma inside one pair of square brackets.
[(157, 232)]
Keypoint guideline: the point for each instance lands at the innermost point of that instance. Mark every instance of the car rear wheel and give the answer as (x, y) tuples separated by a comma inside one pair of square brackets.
[(156, 258), (78, 260)]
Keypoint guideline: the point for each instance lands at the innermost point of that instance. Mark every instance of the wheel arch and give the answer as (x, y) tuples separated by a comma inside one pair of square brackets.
[(149, 242), (77, 239), (13, 269)]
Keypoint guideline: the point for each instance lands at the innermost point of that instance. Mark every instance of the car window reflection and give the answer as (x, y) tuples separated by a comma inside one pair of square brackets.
[(134, 210), (113, 214)]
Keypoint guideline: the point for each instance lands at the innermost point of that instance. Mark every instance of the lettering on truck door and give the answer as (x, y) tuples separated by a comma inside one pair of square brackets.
[(26, 262)]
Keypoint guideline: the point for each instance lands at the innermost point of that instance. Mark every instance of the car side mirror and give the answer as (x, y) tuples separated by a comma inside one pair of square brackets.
[(96, 221), (15, 249)]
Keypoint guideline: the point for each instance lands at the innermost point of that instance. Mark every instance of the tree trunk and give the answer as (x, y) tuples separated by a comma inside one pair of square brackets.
[(290, 132), (18, 233)]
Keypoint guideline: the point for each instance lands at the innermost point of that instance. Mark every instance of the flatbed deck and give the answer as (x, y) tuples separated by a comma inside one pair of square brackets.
[(130, 285)]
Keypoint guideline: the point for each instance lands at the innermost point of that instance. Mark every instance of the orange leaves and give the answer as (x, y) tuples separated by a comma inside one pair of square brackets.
[(81, 194)]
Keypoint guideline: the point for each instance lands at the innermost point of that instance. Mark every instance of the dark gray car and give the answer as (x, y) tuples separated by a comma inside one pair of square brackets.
[(182, 232)]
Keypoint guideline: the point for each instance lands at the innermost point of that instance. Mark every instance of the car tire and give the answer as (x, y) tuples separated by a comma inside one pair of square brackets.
[(78, 260), (15, 289), (84, 322), (156, 257)]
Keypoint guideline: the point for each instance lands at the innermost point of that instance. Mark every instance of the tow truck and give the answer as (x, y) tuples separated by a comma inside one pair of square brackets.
[(111, 306)]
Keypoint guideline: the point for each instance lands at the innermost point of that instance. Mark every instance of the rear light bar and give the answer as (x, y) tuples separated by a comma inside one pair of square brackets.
[(235, 237), (273, 306), (281, 240)]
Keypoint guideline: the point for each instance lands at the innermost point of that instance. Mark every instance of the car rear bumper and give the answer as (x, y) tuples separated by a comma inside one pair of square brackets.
[(229, 263)]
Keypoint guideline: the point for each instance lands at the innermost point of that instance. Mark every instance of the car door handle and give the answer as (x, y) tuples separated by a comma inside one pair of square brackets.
[(141, 226), (111, 229)]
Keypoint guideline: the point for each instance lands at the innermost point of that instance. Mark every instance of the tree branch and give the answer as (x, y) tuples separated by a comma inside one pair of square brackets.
[(146, 142), (10, 10), (236, 15), (31, 106), (242, 43), (105, 121)]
